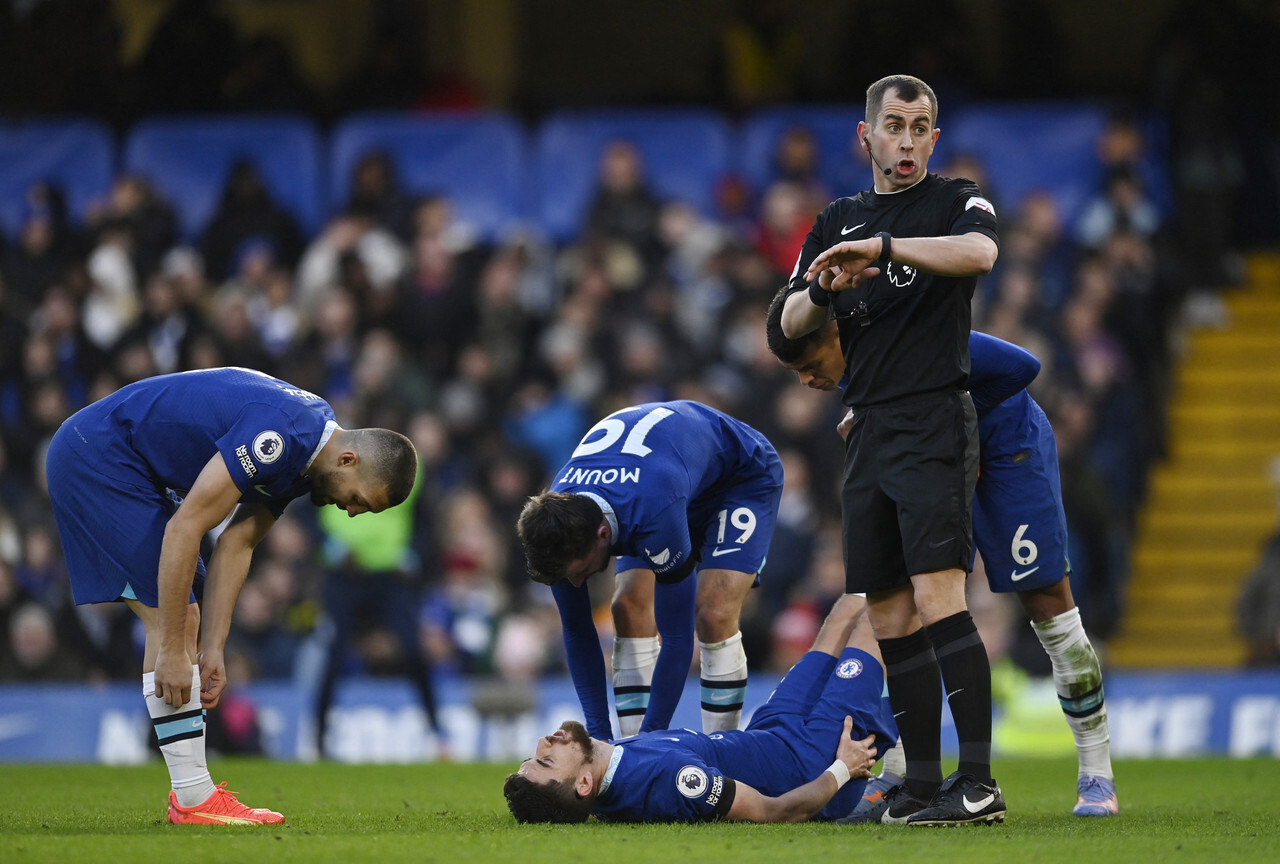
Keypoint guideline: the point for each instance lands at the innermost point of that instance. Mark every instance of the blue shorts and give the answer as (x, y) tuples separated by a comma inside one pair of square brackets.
[(730, 530), (808, 708), (111, 526), (1019, 526)]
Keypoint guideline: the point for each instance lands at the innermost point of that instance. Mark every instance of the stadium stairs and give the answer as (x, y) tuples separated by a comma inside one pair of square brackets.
[(1210, 504)]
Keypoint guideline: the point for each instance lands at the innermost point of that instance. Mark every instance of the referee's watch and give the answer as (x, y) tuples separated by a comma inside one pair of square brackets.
[(886, 246)]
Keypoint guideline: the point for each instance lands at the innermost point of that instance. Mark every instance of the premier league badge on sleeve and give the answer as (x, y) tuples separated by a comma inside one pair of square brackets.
[(268, 447), (691, 781)]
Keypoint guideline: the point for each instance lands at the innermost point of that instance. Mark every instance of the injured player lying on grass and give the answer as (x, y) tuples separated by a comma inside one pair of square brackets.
[(778, 769)]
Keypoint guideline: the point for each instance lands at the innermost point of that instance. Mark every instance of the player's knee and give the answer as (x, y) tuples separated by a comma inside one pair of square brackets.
[(631, 616), (1042, 604), (716, 623)]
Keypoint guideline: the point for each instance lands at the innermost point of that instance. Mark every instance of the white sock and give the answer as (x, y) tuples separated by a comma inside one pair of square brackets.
[(724, 683), (895, 764), (633, 660), (1077, 676), (180, 732)]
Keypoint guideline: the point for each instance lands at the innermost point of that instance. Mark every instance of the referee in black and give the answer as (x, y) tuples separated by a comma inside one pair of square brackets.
[(896, 266)]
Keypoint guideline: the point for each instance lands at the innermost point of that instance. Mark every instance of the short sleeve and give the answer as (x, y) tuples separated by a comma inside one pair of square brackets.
[(972, 212), (702, 792), (262, 453)]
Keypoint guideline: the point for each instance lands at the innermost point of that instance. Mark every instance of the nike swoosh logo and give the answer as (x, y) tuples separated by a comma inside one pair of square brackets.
[(226, 820), (975, 806), (844, 231), (941, 543), (716, 553), (1015, 575), (261, 489)]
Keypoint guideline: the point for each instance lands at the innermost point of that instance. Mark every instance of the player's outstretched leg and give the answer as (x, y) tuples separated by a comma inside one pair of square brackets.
[(1077, 676)]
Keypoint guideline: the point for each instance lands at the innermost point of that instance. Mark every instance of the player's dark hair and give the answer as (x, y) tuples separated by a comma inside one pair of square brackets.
[(553, 801), (784, 348), (909, 89), (392, 458), (555, 528)]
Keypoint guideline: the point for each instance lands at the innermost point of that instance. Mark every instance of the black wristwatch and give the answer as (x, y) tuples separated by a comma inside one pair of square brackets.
[(886, 246)]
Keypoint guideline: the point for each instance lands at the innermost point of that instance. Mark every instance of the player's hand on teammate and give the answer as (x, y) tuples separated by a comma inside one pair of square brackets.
[(213, 678), (859, 755)]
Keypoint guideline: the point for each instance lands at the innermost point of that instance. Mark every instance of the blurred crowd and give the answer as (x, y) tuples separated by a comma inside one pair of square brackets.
[(496, 358)]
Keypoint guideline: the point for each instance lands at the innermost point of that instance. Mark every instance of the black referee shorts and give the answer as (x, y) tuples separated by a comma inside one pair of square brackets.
[(909, 472)]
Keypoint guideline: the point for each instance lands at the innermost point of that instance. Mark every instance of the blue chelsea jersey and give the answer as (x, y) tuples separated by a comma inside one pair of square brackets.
[(163, 430), (1009, 421), (673, 776), (653, 463)]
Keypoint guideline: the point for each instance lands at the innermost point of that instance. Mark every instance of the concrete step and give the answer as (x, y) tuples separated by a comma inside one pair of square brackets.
[(1235, 387), (1208, 487), (1262, 268), (1199, 449), (1152, 608), (1247, 305), (1142, 654), (1184, 589), (1228, 413), (1196, 381), (1169, 562), (1183, 530), (1244, 338)]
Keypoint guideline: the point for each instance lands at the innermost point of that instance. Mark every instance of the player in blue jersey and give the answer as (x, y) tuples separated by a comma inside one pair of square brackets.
[(669, 488), (138, 479), (778, 769), (1019, 527)]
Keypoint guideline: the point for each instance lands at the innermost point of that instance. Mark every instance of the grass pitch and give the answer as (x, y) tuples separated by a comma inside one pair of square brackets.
[(1179, 811)]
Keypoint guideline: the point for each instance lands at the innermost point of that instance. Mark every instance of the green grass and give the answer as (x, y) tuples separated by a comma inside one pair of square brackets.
[(1178, 811)]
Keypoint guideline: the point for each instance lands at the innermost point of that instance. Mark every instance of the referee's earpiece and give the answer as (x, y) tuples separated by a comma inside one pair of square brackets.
[(867, 144)]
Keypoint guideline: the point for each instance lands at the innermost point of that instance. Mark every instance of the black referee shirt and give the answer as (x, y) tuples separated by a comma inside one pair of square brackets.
[(904, 332)]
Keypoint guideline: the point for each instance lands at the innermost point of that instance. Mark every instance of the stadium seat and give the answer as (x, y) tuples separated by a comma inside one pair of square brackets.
[(1032, 146), (685, 152), (76, 155), (477, 160), (832, 126), (189, 158)]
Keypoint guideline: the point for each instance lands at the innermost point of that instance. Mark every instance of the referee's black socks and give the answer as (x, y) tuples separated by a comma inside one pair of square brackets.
[(915, 691), (966, 673)]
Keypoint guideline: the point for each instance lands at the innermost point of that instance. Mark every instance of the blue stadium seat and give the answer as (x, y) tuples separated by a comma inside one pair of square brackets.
[(189, 159), (76, 155), (1032, 146), (685, 153), (477, 160), (832, 126)]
